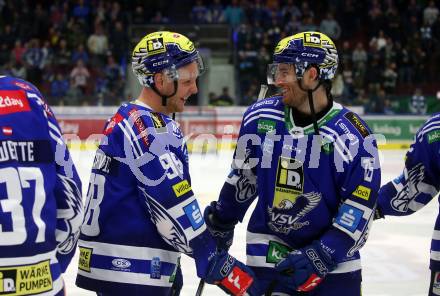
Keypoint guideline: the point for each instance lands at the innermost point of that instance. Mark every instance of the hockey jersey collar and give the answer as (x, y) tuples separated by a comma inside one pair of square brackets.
[(295, 130), (142, 104)]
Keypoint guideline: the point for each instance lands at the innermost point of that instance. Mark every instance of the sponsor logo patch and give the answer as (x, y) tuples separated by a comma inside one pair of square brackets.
[(140, 126), (121, 263), (312, 39), (26, 279), (85, 255), (155, 266), (277, 252), (117, 118), (357, 123), (155, 46), (289, 181), (181, 188), (237, 281), (13, 101), (433, 136), (362, 192), (194, 215), (158, 123), (265, 126), (349, 217)]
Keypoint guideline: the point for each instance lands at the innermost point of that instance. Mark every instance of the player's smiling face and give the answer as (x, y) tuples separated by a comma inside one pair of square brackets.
[(186, 86), (287, 81)]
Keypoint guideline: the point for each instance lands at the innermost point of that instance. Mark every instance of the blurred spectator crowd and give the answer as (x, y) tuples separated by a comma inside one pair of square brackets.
[(77, 51)]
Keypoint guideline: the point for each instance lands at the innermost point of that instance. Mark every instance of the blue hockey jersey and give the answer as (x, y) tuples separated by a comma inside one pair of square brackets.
[(308, 187), (419, 181), (40, 198), (141, 213)]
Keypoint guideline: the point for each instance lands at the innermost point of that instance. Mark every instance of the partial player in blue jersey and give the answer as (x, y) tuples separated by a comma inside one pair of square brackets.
[(313, 166), (40, 194), (418, 184), (141, 212)]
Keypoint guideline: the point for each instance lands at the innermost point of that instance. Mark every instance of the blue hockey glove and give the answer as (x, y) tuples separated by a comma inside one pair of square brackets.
[(223, 233), (232, 276), (305, 268)]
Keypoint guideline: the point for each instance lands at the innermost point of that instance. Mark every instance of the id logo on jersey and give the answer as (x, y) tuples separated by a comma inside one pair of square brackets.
[(289, 181), (349, 217), (194, 215)]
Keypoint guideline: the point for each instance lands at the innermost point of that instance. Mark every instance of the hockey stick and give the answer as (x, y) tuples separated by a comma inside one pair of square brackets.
[(261, 95), (200, 287)]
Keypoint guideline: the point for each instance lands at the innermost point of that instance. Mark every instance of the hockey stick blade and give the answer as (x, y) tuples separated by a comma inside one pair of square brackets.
[(200, 288)]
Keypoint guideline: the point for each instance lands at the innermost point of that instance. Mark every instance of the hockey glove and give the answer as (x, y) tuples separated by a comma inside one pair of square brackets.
[(232, 276), (305, 268), (378, 214), (223, 233)]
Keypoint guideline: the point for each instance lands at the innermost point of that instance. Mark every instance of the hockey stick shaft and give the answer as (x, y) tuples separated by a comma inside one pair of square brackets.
[(200, 287)]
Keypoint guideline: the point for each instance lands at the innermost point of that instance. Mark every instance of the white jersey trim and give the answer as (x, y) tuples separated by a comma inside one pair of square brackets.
[(130, 252), (30, 260), (125, 277)]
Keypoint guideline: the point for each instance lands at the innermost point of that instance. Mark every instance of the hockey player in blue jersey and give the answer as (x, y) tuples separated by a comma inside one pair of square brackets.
[(141, 212), (40, 194), (418, 184), (313, 165)]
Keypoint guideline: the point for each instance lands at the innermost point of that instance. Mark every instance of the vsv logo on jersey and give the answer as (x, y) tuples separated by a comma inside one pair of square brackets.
[(158, 123), (13, 101), (349, 217), (286, 216), (194, 215), (181, 188), (289, 181), (26, 279)]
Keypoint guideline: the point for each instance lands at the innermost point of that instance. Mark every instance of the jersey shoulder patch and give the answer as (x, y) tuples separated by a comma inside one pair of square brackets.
[(357, 123)]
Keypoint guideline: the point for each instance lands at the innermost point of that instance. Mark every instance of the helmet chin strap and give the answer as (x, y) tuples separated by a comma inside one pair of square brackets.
[(311, 104), (165, 97)]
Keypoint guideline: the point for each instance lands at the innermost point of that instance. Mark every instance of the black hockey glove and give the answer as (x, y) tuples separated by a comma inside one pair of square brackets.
[(223, 233)]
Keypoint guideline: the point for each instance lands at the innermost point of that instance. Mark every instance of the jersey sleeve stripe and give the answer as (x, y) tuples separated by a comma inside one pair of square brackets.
[(263, 110), (258, 116), (136, 149)]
